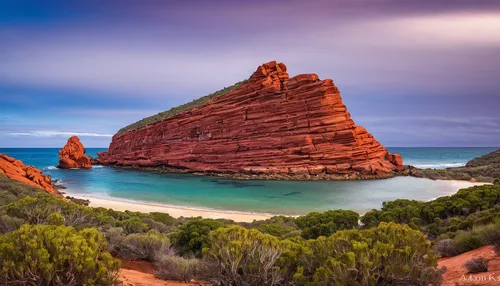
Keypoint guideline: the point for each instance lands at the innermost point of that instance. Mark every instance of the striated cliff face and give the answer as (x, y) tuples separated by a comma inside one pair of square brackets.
[(273, 126), (16, 170), (72, 155)]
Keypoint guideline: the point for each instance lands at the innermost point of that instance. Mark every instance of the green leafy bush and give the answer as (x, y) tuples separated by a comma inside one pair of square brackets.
[(238, 256), (143, 246), (317, 224), (464, 241), (390, 254), (134, 225), (55, 255), (179, 268), (8, 223), (193, 236), (474, 205)]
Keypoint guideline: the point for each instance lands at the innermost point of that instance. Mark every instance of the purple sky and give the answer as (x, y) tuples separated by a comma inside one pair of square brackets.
[(414, 73)]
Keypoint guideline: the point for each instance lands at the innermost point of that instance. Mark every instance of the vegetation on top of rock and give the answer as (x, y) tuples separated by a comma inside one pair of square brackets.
[(482, 169), (181, 108)]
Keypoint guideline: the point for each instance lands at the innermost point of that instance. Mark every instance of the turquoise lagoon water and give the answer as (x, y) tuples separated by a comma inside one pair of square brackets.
[(279, 197)]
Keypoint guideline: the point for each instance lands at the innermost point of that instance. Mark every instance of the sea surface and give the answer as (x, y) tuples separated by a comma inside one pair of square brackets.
[(277, 197)]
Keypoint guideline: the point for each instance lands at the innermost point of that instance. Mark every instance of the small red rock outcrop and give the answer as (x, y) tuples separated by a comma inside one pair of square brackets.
[(72, 155), (272, 124), (29, 175)]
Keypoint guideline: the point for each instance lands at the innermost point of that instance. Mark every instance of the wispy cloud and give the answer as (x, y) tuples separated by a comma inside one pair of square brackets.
[(53, 133)]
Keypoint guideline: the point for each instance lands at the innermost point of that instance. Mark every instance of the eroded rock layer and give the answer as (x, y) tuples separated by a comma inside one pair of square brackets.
[(72, 155), (272, 124), (16, 170)]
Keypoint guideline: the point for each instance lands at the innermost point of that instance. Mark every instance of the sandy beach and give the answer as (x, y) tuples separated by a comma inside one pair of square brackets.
[(178, 211)]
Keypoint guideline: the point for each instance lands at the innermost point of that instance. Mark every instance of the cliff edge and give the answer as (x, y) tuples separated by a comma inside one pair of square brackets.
[(270, 126), (29, 175)]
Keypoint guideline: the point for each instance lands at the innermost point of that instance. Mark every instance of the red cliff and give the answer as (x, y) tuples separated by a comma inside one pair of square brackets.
[(29, 175), (72, 155), (272, 125)]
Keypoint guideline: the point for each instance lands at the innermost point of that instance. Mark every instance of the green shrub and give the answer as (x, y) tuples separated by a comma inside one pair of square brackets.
[(238, 256), (179, 268), (143, 246), (390, 254), (477, 265), (464, 241), (193, 236), (317, 224), (115, 237), (55, 255), (468, 207), (134, 225), (56, 219), (39, 210), (11, 190), (8, 223), (446, 248), (164, 218)]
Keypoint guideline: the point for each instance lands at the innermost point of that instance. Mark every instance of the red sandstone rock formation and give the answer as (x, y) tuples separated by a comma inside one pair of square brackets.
[(29, 175), (272, 124), (72, 155)]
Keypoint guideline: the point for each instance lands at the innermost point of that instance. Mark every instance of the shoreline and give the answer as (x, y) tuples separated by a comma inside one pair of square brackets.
[(120, 204), (123, 204)]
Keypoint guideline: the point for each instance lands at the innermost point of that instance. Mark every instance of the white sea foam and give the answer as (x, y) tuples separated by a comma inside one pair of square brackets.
[(438, 165), (50, 168)]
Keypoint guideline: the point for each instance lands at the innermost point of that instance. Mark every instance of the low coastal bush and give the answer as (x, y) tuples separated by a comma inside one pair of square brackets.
[(464, 241), (179, 268), (279, 226), (477, 265), (55, 255), (143, 246), (134, 225), (317, 224), (390, 254), (193, 236), (8, 223), (461, 211), (238, 256), (11, 190)]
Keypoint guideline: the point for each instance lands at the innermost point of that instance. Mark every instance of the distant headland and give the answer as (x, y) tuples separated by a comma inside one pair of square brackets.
[(271, 126)]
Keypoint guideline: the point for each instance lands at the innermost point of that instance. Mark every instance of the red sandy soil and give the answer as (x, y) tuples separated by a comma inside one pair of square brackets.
[(457, 274), (140, 273)]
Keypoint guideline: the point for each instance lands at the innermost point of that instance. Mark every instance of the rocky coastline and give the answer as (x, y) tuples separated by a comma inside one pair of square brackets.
[(271, 126)]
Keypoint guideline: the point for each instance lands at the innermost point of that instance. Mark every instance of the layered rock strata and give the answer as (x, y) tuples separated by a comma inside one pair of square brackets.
[(29, 175), (72, 155), (272, 126)]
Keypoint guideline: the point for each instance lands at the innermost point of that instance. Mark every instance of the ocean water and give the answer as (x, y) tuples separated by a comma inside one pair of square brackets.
[(278, 197)]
